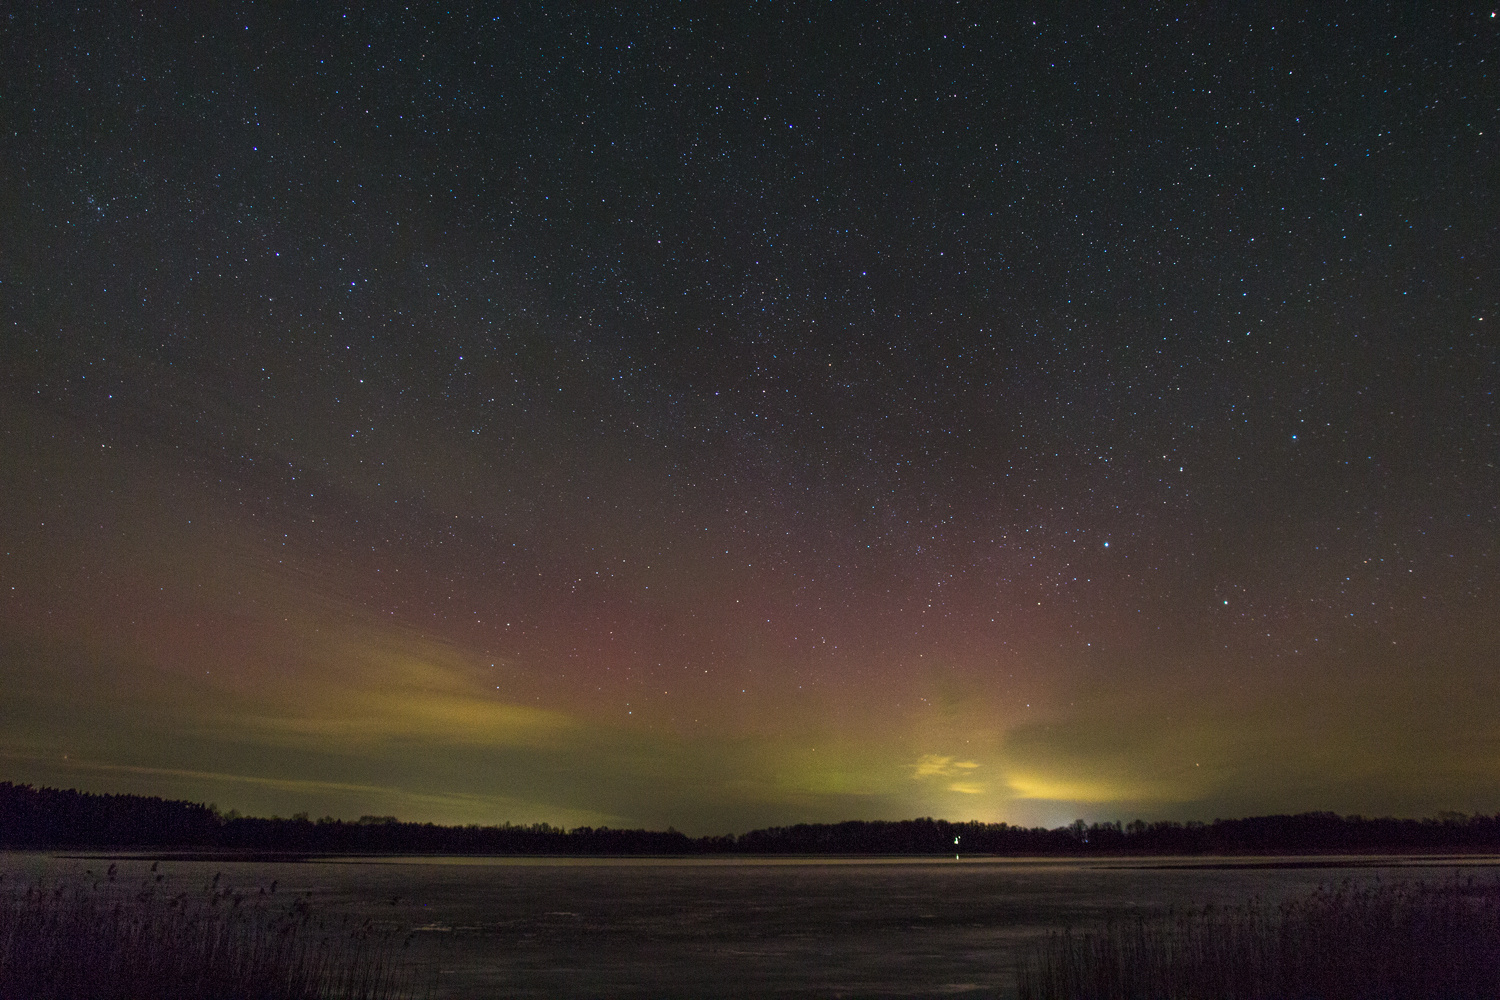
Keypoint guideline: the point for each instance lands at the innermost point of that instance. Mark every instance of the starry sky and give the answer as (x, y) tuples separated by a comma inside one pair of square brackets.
[(654, 415)]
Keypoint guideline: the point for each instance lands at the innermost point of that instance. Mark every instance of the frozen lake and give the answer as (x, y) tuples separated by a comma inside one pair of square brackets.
[(700, 928)]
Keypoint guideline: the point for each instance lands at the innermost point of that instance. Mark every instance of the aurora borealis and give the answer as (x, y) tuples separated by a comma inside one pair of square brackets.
[(625, 416)]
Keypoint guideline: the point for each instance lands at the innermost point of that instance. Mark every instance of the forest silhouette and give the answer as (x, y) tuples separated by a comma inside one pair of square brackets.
[(51, 818)]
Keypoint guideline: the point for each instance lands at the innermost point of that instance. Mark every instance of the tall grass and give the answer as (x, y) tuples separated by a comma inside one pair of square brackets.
[(101, 939), (1383, 942)]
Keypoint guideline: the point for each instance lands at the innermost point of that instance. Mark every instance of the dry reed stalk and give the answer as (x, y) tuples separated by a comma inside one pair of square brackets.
[(99, 938), (1388, 941)]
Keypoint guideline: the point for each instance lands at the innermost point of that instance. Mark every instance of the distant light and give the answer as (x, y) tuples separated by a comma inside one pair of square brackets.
[(1106, 545)]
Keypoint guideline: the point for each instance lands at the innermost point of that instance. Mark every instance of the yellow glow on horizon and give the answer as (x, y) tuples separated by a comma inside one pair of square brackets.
[(1036, 786)]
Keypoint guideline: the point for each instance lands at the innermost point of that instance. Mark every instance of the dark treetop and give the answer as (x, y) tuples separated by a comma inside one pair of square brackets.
[(52, 818)]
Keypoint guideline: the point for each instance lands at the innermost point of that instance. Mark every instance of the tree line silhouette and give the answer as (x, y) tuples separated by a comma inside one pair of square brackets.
[(55, 818)]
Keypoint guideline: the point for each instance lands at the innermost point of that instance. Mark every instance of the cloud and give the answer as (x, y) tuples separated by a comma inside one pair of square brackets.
[(281, 784), (395, 688), (441, 717), (931, 765), (285, 795)]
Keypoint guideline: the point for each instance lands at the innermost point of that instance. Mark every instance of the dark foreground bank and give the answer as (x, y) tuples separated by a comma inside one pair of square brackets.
[(1400, 941), (99, 938), (90, 935)]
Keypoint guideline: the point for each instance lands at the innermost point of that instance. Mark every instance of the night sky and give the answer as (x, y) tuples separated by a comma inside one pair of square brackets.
[(792, 413)]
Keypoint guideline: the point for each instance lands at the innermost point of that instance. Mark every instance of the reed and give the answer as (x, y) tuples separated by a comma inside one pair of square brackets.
[(1381, 942), (99, 938)]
